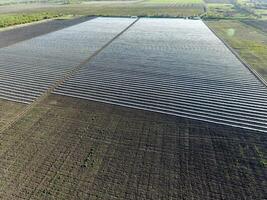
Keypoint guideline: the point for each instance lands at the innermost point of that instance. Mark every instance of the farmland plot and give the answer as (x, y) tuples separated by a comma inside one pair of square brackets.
[(29, 68), (248, 40), (69, 148), (259, 24), (177, 67), (178, 4)]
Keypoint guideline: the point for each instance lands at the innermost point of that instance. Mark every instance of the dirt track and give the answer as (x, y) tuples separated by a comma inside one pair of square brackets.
[(12, 36)]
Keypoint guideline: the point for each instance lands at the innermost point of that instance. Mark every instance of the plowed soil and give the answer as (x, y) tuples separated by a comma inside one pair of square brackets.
[(67, 148)]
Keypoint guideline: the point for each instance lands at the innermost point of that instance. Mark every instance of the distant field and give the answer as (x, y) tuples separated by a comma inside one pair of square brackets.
[(259, 24), (218, 1), (226, 11), (176, 1), (5, 2), (37, 14), (249, 42), (19, 14), (236, 9)]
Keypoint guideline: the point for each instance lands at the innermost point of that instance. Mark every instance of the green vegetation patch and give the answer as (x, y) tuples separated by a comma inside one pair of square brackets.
[(14, 19), (249, 42), (226, 11)]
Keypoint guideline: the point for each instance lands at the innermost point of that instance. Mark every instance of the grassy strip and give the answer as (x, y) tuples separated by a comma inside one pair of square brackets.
[(15, 19)]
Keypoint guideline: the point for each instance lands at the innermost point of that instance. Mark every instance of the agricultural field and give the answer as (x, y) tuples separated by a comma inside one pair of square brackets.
[(256, 7), (114, 113), (226, 10), (36, 65), (176, 1), (249, 42), (258, 24), (151, 77), (235, 9), (222, 11), (218, 1), (33, 66), (67, 148), (18, 14)]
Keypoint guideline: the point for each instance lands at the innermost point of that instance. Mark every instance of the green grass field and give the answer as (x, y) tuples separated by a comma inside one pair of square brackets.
[(249, 42)]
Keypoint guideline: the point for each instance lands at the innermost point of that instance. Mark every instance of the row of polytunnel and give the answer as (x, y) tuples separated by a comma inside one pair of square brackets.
[(172, 66)]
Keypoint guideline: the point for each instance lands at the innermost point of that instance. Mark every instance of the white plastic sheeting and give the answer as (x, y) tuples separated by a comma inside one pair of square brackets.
[(177, 67), (29, 68)]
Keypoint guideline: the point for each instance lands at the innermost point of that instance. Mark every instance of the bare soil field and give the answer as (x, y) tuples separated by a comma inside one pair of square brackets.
[(8, 110), (12, 36), (66, 148)]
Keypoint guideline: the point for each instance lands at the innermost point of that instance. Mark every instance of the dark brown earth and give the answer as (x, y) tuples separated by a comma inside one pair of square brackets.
[(12, 36), (67, 148)]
